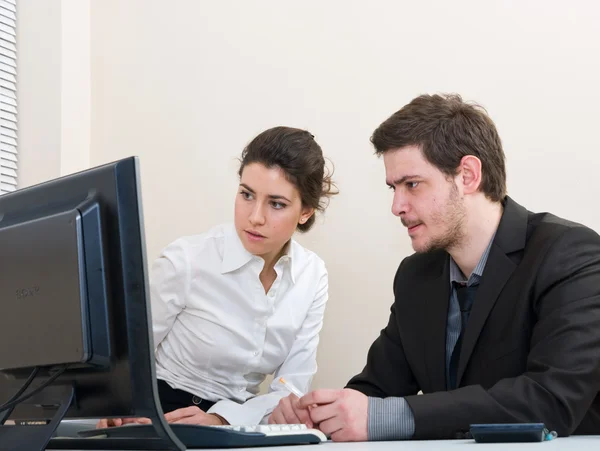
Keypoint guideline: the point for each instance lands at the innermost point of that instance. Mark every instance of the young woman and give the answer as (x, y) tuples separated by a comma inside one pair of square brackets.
[(244, 300)]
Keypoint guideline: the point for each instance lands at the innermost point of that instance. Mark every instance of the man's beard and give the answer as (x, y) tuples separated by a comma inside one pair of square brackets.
[(452, 215)]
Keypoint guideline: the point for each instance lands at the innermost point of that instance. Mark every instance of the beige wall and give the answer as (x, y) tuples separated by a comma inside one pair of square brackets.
[(185, 84)]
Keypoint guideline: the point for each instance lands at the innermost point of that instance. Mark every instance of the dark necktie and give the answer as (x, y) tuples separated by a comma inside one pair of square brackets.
[(465, 295)]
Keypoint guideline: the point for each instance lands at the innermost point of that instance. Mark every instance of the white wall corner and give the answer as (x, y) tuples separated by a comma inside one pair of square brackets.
[(53, 89), (38, 91)]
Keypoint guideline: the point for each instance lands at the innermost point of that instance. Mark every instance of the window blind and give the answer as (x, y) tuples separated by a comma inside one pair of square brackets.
[(8, 96)]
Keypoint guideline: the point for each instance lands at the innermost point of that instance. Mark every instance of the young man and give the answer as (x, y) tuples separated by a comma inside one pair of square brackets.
[(496, 316)]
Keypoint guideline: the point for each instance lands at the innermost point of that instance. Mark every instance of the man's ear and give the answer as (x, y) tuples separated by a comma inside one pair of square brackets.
[(470, 174)]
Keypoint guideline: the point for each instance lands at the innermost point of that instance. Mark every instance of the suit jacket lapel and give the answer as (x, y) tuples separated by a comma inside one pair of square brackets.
[(510, 237), (436, 296)]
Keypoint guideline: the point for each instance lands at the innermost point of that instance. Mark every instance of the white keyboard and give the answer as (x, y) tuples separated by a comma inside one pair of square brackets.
[(194, 436), (277, 429)]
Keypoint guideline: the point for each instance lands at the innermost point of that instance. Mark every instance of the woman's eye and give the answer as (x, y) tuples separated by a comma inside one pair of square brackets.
[(277, 205)]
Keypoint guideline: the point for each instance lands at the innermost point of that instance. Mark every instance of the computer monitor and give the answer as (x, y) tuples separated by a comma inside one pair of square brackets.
[(74, 295)]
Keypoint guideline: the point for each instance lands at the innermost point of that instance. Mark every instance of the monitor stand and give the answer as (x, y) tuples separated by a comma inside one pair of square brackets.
[(39, 437), (34, 437)]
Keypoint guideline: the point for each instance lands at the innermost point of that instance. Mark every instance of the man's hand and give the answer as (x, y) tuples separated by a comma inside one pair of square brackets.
[(193, 415), (288, 411), (341, 414)]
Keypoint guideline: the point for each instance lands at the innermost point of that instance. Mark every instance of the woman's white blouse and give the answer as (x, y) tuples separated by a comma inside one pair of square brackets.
[(217, 334)]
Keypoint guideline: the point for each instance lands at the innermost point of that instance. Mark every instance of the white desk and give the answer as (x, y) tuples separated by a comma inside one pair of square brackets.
[(577, 443)]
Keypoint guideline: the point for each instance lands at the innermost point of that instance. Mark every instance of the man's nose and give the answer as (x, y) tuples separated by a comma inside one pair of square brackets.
[(399, 204)]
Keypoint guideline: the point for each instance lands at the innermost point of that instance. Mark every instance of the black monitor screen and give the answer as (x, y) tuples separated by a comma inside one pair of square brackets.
[(73, 295)]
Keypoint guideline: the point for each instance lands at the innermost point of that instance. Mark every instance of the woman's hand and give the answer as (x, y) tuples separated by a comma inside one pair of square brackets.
[(186, 415), (194, 415), (110, 422)]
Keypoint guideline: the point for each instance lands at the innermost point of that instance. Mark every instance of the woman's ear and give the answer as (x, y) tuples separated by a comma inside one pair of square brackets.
[(305, 215)]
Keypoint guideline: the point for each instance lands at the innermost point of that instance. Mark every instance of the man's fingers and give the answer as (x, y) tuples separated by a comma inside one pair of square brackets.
[(334, 428), (290, 416), (277, 417), (284, 412), (323, 396), (292, 413), (304, 417), (302, 414), (288, 411), (324, 412), (338, 436)]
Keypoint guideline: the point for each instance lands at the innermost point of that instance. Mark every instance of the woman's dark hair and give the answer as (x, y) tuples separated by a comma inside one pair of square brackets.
[(296, 152)]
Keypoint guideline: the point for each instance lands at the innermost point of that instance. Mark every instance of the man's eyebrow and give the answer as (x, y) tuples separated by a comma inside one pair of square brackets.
[(401, 180)]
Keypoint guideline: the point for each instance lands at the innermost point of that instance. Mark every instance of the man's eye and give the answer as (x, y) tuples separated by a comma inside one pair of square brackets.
[(412, 185)]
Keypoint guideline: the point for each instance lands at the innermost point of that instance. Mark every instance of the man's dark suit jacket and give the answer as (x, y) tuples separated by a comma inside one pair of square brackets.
[(531, 350)]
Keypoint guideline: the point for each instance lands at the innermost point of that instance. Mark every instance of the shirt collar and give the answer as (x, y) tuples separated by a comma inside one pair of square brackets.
[(456, 274), (236, 256), (288, 257)]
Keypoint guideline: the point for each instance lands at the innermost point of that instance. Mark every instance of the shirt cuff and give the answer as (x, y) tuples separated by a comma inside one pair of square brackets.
[(390, 419), (237, 414)]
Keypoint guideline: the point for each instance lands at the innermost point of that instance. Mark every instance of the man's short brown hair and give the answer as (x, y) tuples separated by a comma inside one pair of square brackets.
[(446, 129)]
